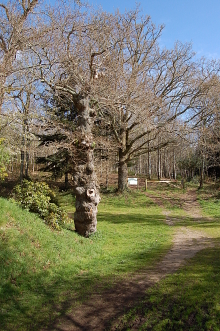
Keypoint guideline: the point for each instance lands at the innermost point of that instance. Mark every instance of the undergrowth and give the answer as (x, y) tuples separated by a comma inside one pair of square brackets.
[(38, 198)]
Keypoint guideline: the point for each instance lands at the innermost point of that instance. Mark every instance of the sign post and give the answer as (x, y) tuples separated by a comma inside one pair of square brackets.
[(133, 181)]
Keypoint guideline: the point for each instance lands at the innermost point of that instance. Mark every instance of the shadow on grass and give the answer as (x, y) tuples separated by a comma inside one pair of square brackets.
[(31, 300), (152, 220), (40, 281), (119, 218), (35, 299), (187, 300), (203, 222)]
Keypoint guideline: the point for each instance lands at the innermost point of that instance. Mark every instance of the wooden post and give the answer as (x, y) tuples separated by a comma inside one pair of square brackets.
[(183, 183), (146, 184)]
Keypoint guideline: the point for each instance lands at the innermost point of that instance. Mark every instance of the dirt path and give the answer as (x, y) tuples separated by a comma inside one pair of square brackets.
[(97, 312)]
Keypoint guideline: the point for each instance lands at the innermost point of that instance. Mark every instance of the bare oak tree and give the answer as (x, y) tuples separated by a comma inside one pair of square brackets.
[(148, 89), (15, 28), (110, 66)]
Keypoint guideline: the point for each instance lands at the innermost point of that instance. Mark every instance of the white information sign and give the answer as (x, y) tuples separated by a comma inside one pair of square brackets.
[(132, 181)]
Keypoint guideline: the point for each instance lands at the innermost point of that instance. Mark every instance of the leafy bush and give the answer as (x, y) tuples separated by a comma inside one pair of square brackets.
[(39, 198), (4, 160)]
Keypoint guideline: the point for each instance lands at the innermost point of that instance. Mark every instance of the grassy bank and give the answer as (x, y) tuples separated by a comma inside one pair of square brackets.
[(43, 272)]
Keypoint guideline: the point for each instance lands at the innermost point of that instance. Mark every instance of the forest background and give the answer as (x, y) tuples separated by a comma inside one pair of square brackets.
[(86, 93)]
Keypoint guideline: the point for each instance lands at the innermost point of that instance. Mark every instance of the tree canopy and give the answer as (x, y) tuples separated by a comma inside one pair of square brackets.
[(73, 79)]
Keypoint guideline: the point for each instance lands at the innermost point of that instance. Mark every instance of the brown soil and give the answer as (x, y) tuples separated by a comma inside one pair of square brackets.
[(101, 310)]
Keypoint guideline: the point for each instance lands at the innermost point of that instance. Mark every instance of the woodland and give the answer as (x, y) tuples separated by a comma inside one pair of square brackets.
[(87, 94), (90, 100)]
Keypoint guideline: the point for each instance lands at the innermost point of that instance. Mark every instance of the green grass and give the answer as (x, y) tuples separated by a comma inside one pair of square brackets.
[(209, 198), (189, 299), (44, 272)]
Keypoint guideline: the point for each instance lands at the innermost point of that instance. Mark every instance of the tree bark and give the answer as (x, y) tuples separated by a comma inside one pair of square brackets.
[(85, 181), (66, 181), (2, 83), (107, 170), (202, 173), (22, 166), (158, 164), (165, 164), (174, 165), (26, 164), (149, 161), (122, 172)]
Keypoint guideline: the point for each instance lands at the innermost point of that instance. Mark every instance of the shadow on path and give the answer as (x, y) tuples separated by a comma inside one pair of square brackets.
[(100, 310)]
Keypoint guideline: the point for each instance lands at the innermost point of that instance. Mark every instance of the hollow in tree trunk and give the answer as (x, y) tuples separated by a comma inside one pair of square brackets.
[(85, 181)]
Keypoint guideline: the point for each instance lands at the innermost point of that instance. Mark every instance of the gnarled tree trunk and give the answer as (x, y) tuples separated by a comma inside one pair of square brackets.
[(85, 181)]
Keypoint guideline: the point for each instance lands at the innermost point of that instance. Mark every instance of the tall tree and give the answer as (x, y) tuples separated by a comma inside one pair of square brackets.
[(111, 65), (14, 34), (56, 136), (148, 89), (204, 120), (69, 67)]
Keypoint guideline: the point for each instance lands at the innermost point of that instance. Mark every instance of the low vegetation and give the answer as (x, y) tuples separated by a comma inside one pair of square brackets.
[(44, 272), (41, 267), (209, 198), (37, 197), (4, 160), (188, 299)]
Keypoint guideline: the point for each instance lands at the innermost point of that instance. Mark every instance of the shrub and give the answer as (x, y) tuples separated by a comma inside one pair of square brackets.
[(39, 198), (4, 160)]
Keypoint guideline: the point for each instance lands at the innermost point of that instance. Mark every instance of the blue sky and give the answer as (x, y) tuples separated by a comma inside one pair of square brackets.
[(196, 21)]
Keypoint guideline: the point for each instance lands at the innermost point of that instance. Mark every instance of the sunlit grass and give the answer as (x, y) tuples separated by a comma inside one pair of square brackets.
[(42, 269), (187, 300), (44, 273), (209, 199), (210, 205)]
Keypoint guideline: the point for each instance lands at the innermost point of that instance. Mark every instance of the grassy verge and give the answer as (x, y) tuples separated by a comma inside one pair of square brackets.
[(189, 299), (209, 198), (44, 272)]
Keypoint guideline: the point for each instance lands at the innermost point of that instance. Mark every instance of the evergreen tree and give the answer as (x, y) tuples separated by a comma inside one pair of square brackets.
[(58, 137)]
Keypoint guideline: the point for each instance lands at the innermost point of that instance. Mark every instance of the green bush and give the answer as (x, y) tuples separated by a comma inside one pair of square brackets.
[(4, 160), (39, 198)]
